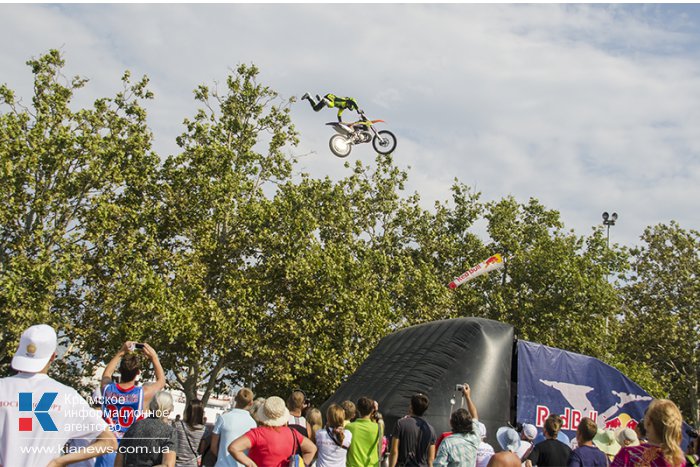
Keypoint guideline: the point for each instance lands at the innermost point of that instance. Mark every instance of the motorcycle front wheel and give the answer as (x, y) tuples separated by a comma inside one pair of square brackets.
[(340, 146), (384, 142)]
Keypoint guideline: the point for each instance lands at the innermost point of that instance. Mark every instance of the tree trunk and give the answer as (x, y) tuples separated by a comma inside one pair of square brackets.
[(189, 386), (694, 401), (213, 376)]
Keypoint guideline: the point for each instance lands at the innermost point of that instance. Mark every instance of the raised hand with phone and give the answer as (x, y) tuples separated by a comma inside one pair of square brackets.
[(125, 402)]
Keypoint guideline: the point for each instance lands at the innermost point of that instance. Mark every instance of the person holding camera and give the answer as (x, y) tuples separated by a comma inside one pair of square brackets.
[(123, 402), (296, 403), (461, 447)]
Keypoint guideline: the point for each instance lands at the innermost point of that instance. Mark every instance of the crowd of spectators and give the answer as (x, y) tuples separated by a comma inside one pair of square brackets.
[(133, 428)]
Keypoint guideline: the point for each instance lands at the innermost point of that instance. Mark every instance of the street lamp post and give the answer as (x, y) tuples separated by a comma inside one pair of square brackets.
[(609, 220)]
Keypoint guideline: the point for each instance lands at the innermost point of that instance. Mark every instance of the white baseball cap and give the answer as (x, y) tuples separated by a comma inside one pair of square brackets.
[(530, 431), (36, 347)]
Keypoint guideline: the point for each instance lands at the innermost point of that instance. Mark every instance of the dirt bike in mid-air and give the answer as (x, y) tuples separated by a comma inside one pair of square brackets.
[(361, 131)]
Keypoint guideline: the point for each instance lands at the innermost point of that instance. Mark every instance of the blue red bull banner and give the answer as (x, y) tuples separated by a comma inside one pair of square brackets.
[(575, 386)]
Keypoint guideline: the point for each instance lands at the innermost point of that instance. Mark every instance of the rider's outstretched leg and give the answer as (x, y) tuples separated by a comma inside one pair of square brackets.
[(317, 104), (321, 104), (314, 105)]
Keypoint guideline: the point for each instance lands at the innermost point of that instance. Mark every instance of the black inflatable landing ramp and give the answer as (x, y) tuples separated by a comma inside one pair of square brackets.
[(431, 359)]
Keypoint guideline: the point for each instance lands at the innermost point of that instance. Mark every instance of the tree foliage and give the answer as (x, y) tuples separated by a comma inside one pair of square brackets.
[(661, 316), (59, 168), (240, 271), (195, 286)]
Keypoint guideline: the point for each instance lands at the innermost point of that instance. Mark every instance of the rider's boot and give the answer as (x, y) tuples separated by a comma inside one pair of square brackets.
[(305, 96)]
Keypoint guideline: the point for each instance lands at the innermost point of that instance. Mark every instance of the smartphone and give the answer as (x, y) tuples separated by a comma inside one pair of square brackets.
[(138, 346)]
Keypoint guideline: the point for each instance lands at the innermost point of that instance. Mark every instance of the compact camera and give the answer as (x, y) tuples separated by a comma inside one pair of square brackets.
[(459, 388)]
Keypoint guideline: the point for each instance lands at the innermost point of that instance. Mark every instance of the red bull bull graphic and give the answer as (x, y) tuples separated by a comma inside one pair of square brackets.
[(623, 420)]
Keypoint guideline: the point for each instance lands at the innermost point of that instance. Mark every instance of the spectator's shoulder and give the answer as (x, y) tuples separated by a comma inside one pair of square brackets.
[(403, 421)]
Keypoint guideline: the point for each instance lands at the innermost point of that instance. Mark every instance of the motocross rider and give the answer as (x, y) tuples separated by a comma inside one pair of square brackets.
[(331, 100)]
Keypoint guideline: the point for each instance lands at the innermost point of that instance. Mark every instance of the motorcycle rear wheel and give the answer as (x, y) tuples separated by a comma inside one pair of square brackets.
[(384, 142), (340, 146)]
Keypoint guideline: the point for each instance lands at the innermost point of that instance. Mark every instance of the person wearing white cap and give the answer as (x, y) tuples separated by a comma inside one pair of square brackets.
[(627, 437), (527, 434), (273, 442), (485, 451), (38, 415)]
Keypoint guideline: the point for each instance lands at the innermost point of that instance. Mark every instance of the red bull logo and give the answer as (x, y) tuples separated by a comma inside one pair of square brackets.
[(621, 421), (492, 260)]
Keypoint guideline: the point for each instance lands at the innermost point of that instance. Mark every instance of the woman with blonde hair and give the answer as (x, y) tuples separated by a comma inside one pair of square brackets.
[(334, 440), (663, 424), (313, 418), (259, 402)]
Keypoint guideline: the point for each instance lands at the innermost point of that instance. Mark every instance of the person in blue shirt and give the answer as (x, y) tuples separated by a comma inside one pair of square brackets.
[(587, 454), (230, 426)]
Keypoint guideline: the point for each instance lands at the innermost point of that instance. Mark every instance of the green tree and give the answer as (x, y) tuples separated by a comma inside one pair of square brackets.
[(661, 319), (237, 272), (59, 167), (555, 286), (341, 272), (191, 288)]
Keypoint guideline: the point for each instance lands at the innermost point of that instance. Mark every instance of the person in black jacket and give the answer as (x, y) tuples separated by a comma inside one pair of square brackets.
[(551, 451)]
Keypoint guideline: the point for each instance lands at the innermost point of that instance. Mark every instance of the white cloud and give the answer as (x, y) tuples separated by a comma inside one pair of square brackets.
[(588, 108)]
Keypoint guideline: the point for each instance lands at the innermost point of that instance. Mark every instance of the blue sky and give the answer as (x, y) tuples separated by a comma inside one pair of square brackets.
[(588, 108)]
